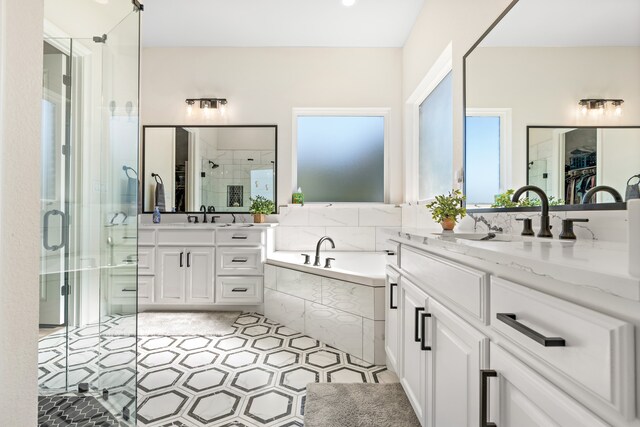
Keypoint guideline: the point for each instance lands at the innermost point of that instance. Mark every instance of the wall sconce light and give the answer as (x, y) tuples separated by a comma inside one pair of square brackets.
[(207, 104), (599, 106)]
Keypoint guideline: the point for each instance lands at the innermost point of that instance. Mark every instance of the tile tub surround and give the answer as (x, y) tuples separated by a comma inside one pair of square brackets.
[(255, 376), (346, 315), (353, 228)]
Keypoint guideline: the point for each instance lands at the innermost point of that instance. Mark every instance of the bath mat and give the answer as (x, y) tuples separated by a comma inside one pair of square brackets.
[(358, 405), (178, 323)]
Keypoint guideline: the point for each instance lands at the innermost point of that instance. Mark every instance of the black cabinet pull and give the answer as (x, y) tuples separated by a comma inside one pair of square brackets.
[(391, 305), (128, 290), (240, 260), (239, 237), (188, 259), (181, 255), (485, 374), (423, 324), (510, 320), (239, 290), (416, 324)]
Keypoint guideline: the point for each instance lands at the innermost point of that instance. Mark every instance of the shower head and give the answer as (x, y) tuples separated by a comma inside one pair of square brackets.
[(213, 165)]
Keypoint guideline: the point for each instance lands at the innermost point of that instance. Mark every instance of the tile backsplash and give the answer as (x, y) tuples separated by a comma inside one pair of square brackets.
[(352, 228)]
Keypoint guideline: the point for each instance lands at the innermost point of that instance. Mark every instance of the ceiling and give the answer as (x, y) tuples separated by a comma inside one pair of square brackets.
[(260, 23), (549, 23)]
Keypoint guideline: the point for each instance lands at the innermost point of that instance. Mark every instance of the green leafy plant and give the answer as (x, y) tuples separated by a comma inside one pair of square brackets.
[(261, 205), (504, 200), (450, 206)]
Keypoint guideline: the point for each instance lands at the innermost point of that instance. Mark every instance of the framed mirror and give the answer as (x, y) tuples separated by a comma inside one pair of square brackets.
[(217, 168), (545, 75)]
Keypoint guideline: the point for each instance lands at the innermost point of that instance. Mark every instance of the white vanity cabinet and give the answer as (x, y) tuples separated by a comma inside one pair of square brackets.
[(201, 266), (392, 339), (185, 275), (412, 355), (468, 343)]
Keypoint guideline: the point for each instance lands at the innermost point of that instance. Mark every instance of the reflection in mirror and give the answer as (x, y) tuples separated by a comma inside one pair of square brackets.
[(568, 162), (532, 69), (219, 168)]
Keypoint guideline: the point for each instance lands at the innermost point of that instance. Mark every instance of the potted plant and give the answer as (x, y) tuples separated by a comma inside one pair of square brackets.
[(446, 209), (260, 206)]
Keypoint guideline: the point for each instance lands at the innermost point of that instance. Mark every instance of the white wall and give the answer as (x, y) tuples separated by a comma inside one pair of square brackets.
[(160, 158), (441, 22), (20, 95), (263, 85), (542, 86)]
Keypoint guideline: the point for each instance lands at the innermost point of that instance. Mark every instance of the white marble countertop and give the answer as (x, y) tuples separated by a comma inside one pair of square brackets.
[(586, 263), (207, 226)]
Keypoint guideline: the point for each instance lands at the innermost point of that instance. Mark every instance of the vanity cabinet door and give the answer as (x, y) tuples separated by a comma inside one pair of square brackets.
[(458, 352), (521, 397), (199, 268), (392, 335), (413, 372), (170, 287)]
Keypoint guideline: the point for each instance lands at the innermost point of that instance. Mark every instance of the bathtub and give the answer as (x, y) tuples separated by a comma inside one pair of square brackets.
[(342, 306), (366, 268)]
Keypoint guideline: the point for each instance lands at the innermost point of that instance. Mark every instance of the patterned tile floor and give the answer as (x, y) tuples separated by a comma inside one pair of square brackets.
[(255, 376)]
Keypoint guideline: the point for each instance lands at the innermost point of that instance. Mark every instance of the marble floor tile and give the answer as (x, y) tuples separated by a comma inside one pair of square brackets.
[(255, 377)]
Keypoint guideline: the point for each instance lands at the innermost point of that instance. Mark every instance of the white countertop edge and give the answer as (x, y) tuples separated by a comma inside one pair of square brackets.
[(200, 226), (618, 283)]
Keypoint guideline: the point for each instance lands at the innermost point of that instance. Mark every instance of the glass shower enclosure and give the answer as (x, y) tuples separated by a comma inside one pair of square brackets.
[(89, 205)]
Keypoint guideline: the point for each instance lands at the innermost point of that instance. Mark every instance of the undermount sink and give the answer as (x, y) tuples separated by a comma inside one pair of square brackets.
[(480, 237)]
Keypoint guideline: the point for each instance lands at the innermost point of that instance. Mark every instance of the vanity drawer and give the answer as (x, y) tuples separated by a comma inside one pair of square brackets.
[(239, 237), (239, 290), (146, 236), (145, 289), (186, 237), (598, 349), (239, 261), (123, 289), (463, 287), (146, 260)]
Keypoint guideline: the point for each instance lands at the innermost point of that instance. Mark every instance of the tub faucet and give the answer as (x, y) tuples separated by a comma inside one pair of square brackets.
[(589, 194), (333, 245), (545, 229)]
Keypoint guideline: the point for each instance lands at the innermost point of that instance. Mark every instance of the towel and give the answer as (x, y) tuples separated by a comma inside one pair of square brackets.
[(130, 196), (160, 196)]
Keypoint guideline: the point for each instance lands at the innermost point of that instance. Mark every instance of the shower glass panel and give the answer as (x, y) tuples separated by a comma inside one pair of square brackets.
[(89, 202)]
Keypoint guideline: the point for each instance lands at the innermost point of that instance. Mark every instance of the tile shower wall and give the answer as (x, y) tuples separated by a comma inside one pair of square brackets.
[(235, 168), (352, 228)]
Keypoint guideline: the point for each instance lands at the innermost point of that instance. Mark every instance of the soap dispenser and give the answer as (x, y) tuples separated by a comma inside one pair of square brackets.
[(156, 215)]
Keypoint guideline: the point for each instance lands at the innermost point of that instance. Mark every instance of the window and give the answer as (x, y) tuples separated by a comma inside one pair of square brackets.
[(341, 158), (486, 172), (435, 141)]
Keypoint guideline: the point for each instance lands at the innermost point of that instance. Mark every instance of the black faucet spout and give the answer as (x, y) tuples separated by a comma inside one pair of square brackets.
[(545, 227), (319, 245)]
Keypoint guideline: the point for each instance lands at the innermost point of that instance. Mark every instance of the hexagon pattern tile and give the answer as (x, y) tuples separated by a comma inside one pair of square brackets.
[(256, 376)]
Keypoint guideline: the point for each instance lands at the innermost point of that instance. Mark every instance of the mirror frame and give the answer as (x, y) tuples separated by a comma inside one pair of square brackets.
[(275, 166), (561, 208)]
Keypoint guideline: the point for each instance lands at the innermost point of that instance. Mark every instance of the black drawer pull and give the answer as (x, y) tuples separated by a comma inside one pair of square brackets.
[(416, 324), (128, 290), (181, 263), (510, 320), (391, 305), (130, 237), (188, 259), (485, 374), (423, 339), (239, 290), (240, 260), (239, 237)]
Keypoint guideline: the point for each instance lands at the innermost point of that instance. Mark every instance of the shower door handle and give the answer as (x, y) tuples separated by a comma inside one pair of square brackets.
[(63, 230)]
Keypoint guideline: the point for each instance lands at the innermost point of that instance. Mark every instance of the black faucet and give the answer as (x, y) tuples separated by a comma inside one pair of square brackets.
[(333, 245), (545, 229), (203, 209), (589, 194)]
